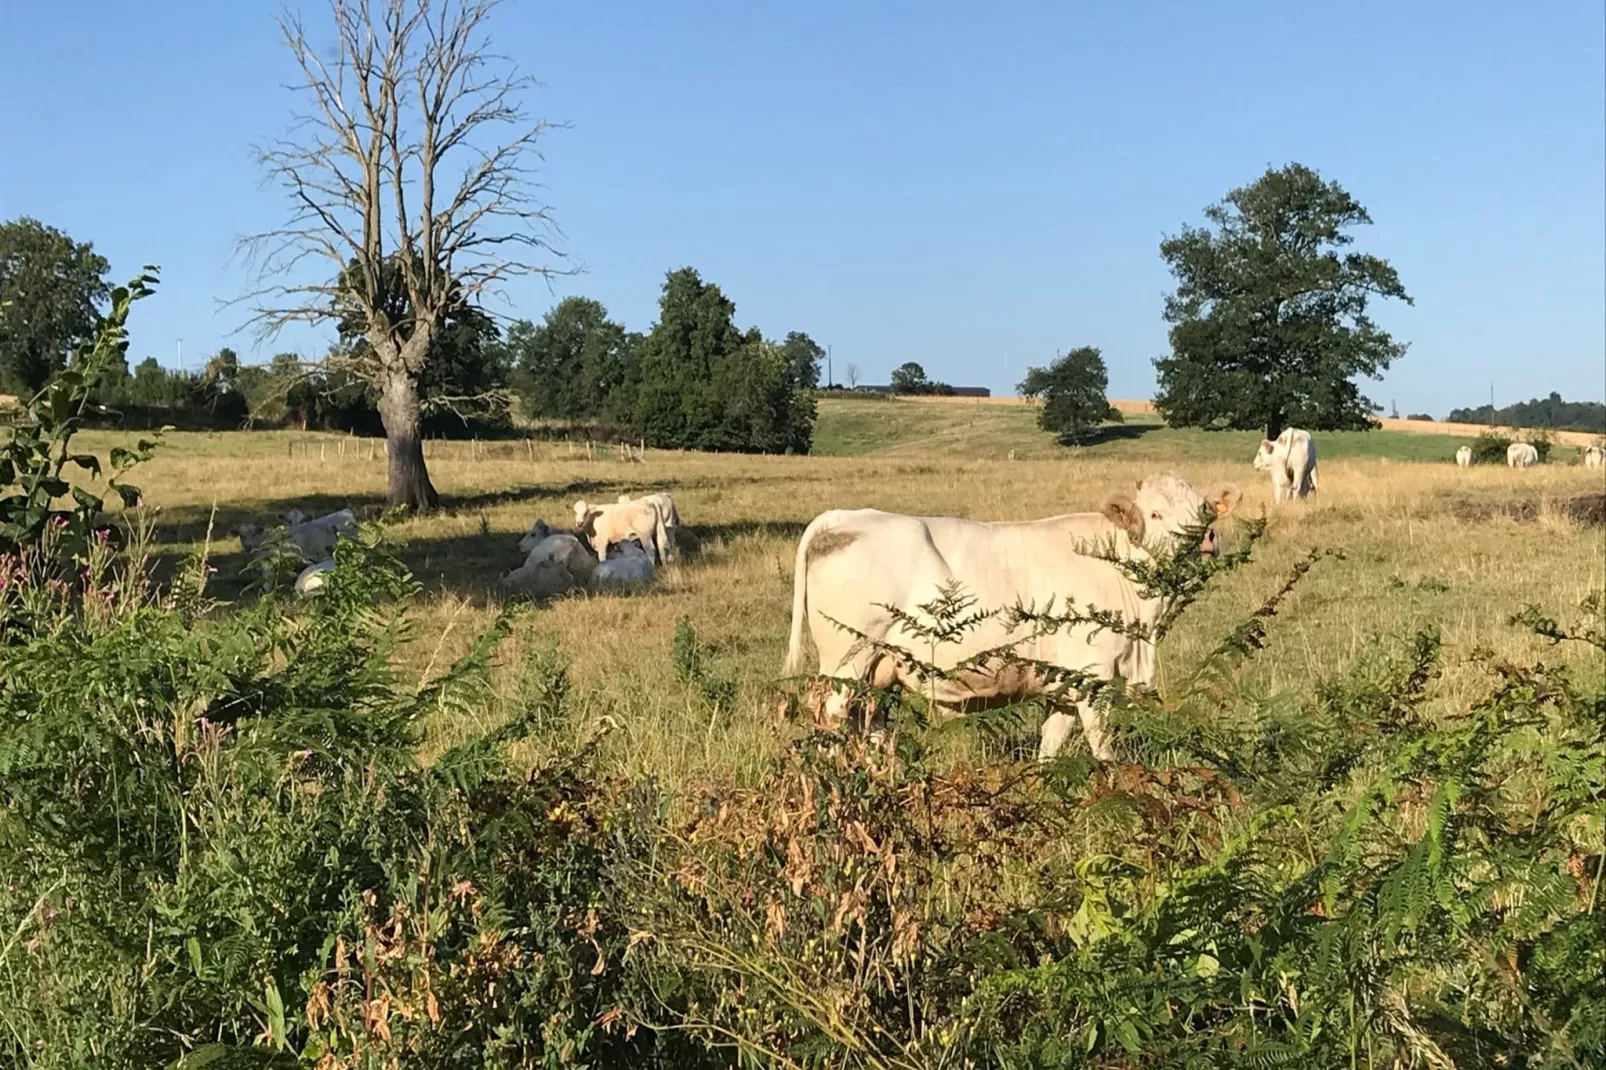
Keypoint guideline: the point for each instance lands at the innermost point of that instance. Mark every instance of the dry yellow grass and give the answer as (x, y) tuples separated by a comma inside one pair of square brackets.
[(1408, 564)]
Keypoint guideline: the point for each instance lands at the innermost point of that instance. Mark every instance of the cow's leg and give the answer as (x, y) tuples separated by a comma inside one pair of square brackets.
[(1056, 730), (1098, 736)]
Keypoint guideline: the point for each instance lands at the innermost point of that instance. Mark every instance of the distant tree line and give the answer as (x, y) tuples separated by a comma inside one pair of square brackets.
[(1551, 412), (693, 381)]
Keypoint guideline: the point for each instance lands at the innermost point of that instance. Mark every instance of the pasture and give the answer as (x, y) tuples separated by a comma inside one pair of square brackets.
[(1389, 501)]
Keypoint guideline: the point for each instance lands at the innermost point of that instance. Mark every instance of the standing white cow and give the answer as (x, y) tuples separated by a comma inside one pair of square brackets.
[(1594, 457), (852, 563), (1463, 456), (1521, 455), (668, 516), (1291, 459), (612, 524)]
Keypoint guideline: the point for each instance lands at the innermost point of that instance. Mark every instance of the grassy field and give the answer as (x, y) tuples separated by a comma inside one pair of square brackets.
[(990, 428), (1386, 501)]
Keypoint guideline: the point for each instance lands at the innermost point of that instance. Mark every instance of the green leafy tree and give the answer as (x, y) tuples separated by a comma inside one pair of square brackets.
[(707, 385), (1072, 391), (910, 378), (803, 356), (51, 290), (1269, 321), (577, 364)]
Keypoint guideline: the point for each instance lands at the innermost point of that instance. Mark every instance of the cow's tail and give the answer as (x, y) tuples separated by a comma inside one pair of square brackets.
[(800, 599)]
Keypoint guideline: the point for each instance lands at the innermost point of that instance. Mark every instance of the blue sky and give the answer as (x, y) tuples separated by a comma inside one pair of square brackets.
[(968, 185)]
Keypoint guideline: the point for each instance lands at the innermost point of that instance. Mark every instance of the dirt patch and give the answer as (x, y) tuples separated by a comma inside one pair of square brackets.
[(1586, 509)]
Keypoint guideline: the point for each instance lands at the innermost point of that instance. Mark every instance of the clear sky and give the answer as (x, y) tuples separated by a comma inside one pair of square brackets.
[(968, 185)]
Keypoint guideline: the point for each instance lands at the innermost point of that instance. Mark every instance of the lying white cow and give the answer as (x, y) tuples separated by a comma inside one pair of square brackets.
[(316, 538), (631, 567), (313, 577), (668, 515), (611, 524), (1594, 457), (313, 539), (1291, 459), (563, 547), (1463, 456), (536, 579), (853, 563), (1521, 455)]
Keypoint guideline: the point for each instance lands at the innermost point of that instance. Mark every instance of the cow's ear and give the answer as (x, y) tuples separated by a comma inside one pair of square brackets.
[(1124, 513), (1224, 498)]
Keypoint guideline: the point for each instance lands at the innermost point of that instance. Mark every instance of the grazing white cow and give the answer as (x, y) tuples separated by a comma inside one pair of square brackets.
[(1291, 459), (852, 563), (611, 524), (1594, 457), (1521, 455), (631, 567), (667, 513), (313, 577), (1463, 456)]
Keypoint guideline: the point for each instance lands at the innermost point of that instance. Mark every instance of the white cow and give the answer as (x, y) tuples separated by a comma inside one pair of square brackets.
[(536, 579), (1594, 457), (667, 514), (1521, 455), (313, 577), (611, 524), (1291, 458), (852, 563), (1463, 456), (316, 538), (631, 567), (566, 549), (313, 539)]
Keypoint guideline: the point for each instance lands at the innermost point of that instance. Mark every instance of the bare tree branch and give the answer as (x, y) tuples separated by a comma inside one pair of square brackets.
[(409, 174)]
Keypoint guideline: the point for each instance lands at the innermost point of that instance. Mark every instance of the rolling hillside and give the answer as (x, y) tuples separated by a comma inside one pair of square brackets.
[(989, 428)]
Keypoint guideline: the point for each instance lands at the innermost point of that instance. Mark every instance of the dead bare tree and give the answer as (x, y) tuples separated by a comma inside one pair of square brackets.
[(853, 375), (411, 162)]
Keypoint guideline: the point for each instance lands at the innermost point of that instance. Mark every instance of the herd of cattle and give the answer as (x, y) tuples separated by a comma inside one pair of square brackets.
[(861, 575)]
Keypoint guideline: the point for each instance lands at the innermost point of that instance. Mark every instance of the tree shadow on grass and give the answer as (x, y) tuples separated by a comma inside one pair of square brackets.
[(187, 524), (1098, 436), (465, 564)]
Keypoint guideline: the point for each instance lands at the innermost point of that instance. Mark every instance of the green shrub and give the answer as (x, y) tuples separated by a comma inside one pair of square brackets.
[(1342, 881), (218, 844), (1490, 448)]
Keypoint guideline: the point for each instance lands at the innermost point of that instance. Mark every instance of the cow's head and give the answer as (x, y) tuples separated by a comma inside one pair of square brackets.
[(1165, 506), (582, 512), (251, 536), (1264, 456), (295, 517), (533, 537)]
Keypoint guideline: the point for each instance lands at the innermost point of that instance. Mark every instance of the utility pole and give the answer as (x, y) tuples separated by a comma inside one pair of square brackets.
[(830, 377), (181, 354)]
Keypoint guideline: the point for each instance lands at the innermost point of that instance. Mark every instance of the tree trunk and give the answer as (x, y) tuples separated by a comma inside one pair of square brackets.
[(409, 483)]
